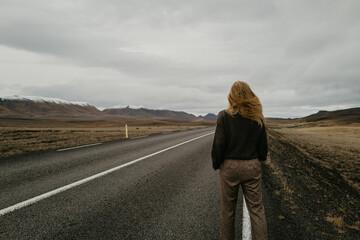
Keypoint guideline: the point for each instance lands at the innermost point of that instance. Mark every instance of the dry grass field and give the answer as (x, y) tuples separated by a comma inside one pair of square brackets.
[(333, 144), (315, 167), (19, 136)]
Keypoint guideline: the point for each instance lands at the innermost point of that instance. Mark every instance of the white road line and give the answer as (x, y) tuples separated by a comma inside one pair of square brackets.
[(82, 181), (82, 146), (139, 137), (246, 224)]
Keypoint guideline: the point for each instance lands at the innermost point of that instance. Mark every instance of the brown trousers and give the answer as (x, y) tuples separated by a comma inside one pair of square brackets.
[(247, 174)]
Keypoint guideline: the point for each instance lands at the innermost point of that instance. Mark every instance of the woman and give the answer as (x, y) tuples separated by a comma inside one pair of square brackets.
[(240, 143)]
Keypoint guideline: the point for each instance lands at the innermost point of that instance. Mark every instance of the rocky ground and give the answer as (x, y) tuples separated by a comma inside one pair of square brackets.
[(322, 196)]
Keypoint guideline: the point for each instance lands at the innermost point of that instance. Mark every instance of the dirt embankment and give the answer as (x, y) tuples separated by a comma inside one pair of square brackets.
[(317, 180)]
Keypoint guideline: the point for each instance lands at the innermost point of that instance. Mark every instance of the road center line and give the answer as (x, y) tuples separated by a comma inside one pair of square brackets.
[(85, 180), (246, 224), (82, 146)]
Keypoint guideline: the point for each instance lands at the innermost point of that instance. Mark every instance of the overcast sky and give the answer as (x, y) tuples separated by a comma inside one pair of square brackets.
[(299, 57)]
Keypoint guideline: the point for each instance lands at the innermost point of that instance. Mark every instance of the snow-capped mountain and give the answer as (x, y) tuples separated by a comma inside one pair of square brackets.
[(34, 106), (45, 107), (42, 99), (126, 106)]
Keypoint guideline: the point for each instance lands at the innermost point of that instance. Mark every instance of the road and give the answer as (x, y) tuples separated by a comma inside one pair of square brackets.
[(172, 194)]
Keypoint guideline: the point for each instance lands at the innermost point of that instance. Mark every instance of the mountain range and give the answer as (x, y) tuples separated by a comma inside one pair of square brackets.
[(31, 106), (346, 115), (41, 107)]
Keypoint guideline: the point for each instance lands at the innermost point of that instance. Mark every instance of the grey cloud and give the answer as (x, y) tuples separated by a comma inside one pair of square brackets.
[(297, 56), (169, 97)]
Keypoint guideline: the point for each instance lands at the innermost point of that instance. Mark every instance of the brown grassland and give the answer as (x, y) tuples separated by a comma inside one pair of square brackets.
[(22, 135), (315, 171)]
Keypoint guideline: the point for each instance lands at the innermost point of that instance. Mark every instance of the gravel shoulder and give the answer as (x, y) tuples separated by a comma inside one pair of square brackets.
[(312, 182)]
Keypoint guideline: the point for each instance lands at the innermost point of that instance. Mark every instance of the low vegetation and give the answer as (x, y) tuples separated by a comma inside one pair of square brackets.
[(314, 169), (19, 135)]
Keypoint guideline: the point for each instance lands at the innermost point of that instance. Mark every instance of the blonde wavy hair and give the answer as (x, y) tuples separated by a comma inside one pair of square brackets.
[(242, 100)]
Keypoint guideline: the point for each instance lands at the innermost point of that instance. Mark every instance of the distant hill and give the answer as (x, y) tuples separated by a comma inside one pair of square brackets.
[(208, 117), (31, 106), (276, 118), (345, 115), (45, 107), (143, 113)]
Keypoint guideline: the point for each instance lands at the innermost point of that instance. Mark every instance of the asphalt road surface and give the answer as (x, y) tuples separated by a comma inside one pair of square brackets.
[(169, 192)]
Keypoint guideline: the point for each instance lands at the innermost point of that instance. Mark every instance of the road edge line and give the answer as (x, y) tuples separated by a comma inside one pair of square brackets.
[(76, 147), (85, 180)]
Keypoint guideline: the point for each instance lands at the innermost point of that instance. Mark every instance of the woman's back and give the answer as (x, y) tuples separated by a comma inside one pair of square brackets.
[(238, 138)]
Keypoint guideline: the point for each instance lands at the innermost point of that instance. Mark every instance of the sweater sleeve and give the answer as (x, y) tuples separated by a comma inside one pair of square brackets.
[(218, 148), (262, 146)]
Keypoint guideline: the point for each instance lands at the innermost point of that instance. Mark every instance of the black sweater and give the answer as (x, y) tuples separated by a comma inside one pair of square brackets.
[(237, 137)]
